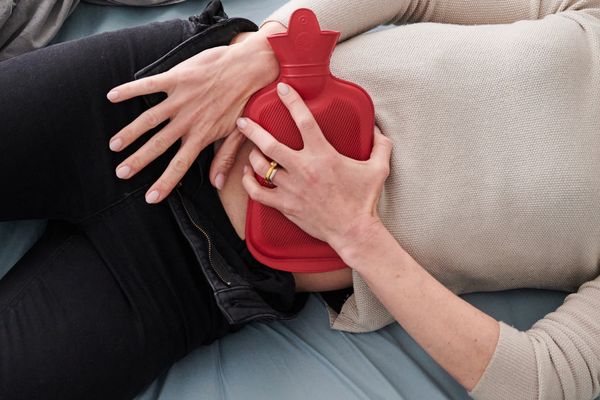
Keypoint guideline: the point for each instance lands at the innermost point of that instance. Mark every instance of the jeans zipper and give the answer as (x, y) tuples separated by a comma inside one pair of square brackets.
[(208, 241)]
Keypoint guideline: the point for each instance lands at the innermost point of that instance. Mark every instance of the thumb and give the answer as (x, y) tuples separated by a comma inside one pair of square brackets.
[(382, 148), (225, 158)]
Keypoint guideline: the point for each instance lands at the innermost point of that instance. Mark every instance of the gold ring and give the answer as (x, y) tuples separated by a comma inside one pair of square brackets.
[(271, 172)]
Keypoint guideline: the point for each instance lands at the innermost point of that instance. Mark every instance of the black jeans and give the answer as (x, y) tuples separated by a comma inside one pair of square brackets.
[(112, 294)]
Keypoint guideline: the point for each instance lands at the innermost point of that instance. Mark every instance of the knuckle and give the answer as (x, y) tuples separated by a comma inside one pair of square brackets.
[(307, 124), (295, 188), (330, 160), (272, 148), (159, 145), (186, 75), (263, 166), (253, 156), (386, 170), (387, 141), (249, 129), (253, 163), (254, 193), (164, 184), (181, 165), (128, 134), (288, 207), (383, 170), (134, 163), (311, 175), (195, 141), (294, 100), (257, 166), (150, 83), (151, 118), (292, 207), (227, 160), (124, 135)]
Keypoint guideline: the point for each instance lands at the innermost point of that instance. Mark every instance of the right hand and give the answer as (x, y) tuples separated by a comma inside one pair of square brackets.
[(328, 195), (205, 96)]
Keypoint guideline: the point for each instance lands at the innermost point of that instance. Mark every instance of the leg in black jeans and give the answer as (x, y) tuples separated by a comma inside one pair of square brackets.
[(56, 122), (79, 320), (111, 295)]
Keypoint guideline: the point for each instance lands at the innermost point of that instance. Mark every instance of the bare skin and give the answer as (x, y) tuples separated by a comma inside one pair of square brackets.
[(234, 199), (236, 71)]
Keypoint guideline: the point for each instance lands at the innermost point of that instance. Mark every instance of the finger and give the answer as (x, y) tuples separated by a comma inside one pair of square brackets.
[(224, 158), (382, 149), (261, 166), (266, 142), (259, 193), (149, 119), (151, 150), (139, 87), (175, 171), (302, 116)]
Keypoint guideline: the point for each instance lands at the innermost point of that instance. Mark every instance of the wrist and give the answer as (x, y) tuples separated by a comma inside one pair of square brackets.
[(263, 67), (355, 244)]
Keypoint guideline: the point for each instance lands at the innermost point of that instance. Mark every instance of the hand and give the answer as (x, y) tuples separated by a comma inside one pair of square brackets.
[(230, 74), (331, 197)]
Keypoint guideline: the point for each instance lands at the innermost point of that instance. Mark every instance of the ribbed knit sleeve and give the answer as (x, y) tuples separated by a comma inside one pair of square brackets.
[(558, 358), (494, 111), (352, 17)]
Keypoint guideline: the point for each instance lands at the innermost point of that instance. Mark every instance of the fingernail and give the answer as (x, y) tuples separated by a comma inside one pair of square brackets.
[(220, 181), (123, 172), (242, 123), (116, 144), (112, 95), (245, 168), (152, 197), (283, 89)]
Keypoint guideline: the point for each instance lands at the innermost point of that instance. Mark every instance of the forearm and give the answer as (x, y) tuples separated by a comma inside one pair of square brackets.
[(458, 336), (255, 44), (352, 17)]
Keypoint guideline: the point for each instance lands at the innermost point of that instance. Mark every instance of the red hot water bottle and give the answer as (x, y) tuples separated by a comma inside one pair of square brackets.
[(345, 114)]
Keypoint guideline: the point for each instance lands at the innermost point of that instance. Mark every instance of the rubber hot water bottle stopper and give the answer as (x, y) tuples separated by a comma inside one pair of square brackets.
[(344, 112)]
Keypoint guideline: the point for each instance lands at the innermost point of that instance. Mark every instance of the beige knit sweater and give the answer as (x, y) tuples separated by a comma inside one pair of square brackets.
[(494, 110)]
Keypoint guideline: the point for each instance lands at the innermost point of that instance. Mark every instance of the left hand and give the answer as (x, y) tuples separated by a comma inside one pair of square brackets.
[(331, 197), (205, 95)]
